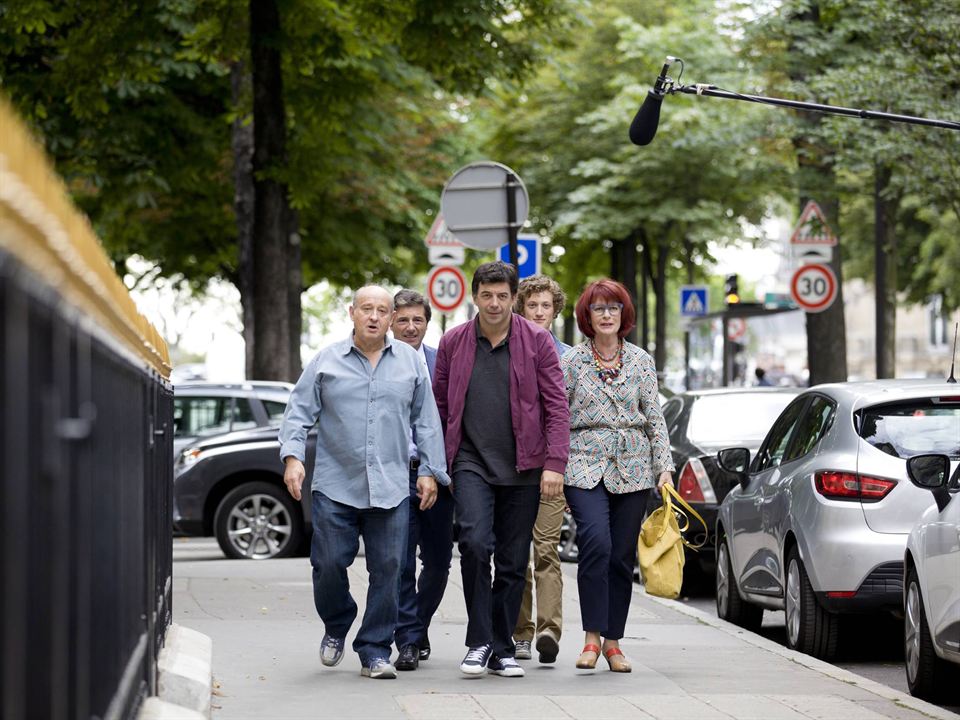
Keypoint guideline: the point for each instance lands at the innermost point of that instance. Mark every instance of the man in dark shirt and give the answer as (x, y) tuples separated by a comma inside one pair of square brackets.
[(502, 403)]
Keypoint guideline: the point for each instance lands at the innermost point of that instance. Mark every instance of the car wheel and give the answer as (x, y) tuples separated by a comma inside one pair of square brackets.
[(927, 674), (730, 606), (811, 629), (258, 521), (567, 547)]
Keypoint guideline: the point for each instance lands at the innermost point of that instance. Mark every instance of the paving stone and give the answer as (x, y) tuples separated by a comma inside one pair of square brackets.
[(441, 706), (675, 707)]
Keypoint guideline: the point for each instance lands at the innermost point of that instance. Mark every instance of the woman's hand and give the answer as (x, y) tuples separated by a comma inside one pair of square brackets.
[(666, 478)]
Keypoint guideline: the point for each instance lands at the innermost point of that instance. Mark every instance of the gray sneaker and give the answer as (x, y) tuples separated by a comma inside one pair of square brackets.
[(331, 650), (378, 669), (523, 651)]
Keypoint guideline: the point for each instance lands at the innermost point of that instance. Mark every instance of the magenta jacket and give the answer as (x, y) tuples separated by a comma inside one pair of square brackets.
[(538, 398)]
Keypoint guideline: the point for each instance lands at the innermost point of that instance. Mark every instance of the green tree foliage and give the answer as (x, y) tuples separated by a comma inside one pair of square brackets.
[(712, 167), (134, 102)]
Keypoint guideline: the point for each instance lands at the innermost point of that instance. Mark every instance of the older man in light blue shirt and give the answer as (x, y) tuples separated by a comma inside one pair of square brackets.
[(364, 394)]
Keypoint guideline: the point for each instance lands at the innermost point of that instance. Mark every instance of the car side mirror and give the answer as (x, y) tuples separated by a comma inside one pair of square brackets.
[(931, 472), (735, 461)]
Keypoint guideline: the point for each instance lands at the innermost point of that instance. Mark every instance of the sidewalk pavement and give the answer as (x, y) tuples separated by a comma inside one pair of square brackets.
[(686, 664)]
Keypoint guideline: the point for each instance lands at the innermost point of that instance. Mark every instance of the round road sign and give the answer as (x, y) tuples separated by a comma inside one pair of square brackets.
[(736, 328), (482, 203), (446, 288), (814, 287)]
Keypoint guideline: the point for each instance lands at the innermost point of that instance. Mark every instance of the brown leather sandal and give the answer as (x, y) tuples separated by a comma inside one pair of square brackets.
[(617, 661), (585, 662)]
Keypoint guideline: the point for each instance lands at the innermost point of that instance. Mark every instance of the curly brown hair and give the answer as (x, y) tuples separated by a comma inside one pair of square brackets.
[(538, 284)]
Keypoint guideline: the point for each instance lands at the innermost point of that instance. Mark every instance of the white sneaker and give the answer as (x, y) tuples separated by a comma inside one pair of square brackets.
[(523, 651)]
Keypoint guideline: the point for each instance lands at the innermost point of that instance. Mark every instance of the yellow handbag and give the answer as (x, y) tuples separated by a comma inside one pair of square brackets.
[(660, 547)]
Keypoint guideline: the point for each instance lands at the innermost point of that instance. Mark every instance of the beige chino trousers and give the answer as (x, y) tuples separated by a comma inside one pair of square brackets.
[(544, 571)]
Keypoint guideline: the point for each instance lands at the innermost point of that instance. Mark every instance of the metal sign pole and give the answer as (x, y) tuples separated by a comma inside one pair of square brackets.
[(512, 229)]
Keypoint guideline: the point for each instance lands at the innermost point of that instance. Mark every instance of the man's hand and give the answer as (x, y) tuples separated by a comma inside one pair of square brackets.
[(666, 478), (293, 475), (426, 491), (551, 484)]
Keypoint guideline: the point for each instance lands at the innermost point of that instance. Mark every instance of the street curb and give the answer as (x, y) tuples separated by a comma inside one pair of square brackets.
[(185, 669), (154, 708), (824, 668)]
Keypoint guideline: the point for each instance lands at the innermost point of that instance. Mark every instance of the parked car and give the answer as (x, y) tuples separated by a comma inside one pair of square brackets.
[(231, 486), (931, 572), (700, 423), (204, 409), (818, 523)]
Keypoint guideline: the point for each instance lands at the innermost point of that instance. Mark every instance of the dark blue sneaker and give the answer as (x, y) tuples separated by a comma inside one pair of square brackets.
[(475, 661), (378, 669), (331, 650), (505, 666)]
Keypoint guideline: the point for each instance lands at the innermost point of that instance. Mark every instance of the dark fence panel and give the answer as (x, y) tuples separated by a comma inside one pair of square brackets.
[(85, 549)]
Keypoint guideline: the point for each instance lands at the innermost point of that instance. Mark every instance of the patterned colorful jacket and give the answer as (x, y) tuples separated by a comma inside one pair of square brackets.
[(617, 431)]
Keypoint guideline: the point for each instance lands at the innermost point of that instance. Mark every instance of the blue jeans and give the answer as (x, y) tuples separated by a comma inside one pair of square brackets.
[(608, 526), (432, 530), (497, 521), (337, 529)]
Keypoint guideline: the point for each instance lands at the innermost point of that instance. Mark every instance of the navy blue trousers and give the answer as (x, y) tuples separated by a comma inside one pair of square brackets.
[(608, 526), (432, 531)]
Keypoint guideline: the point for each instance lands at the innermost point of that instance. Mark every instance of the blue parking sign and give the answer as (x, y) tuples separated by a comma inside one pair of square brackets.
[(528, 255), (693, 300)]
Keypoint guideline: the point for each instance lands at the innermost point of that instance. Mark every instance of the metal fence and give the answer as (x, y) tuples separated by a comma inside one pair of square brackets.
[(86, 456)]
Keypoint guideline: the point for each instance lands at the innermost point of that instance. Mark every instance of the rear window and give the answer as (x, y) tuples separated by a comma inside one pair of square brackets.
[(914, 428), (732, 419)]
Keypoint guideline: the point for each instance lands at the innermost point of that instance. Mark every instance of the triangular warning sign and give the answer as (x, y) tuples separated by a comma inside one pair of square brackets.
[(693, 306), (812, 228)]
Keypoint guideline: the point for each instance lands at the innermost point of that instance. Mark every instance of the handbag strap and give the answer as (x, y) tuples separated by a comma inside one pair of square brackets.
[(672, 495)]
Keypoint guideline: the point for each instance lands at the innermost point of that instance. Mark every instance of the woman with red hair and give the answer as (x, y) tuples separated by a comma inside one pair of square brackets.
[(619, 451)]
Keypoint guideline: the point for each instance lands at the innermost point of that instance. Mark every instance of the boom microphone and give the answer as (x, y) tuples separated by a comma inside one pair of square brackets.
[(644, 125)]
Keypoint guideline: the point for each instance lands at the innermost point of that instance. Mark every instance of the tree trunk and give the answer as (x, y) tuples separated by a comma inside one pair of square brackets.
[(885, 257), (623, 265), (294, 292), (826, 331), (660, 288), (272, 322), (643, 309), (241, 144)]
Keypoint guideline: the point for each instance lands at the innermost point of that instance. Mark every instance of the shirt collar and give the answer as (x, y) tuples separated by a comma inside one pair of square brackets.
[(347, 345), (476, 329)]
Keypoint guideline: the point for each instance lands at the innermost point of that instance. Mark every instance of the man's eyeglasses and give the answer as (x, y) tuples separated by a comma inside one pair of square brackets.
[(612, 308)]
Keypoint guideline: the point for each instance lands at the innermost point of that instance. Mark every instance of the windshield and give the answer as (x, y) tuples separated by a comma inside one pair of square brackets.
[(914, 428), (735, 419)]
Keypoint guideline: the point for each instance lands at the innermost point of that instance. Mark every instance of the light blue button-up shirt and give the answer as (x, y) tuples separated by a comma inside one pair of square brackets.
[(363, 417)]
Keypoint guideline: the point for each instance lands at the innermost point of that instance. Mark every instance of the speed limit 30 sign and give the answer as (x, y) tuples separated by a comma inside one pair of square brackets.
[(814, 287), (446, 288)]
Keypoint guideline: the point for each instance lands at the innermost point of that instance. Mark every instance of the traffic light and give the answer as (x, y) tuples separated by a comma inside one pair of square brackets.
[(731, 291)]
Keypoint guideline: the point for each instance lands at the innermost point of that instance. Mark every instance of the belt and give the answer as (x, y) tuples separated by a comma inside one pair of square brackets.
[(414, 463)]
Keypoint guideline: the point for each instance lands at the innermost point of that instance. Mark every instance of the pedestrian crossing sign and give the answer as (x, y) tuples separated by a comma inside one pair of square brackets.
[(693, 300)]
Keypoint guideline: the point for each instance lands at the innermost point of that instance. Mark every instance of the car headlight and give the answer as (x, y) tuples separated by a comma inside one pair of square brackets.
[(188, 457)]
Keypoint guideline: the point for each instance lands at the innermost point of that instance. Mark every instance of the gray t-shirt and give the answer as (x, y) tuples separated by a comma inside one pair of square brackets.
[(488, 447)]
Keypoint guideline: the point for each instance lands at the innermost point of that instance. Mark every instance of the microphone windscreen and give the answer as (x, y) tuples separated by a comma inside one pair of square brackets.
[(644, 125)]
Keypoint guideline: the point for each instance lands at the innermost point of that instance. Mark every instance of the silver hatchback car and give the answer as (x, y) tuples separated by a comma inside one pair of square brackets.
[(819, 523)]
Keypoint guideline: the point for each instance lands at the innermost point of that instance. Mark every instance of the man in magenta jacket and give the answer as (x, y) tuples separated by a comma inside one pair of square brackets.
[(503, 408)]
